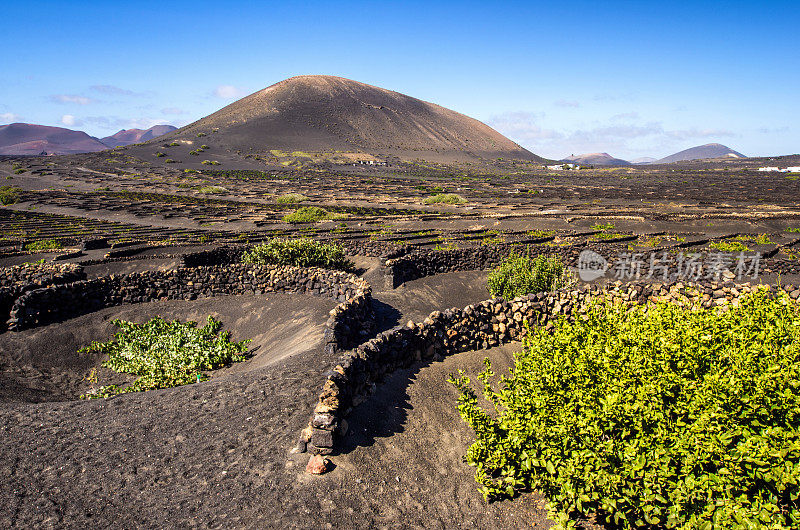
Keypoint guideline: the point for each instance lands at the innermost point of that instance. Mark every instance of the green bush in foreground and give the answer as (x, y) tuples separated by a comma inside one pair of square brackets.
[(521, 275), (444, 198), (9, 194), (164, 354), (658, 416), (44, 244), (308, 214), (299, 253)]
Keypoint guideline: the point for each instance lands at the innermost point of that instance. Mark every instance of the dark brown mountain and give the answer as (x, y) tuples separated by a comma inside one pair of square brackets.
[(135, 136), (30, 139), (596, 159), (315, 113), (702, 152)]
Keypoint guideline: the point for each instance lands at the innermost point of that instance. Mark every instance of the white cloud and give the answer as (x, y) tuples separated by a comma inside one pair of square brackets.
[(9, 117), (687, 134), (69, 120), (228, 92), (570, 103), (70, 98)]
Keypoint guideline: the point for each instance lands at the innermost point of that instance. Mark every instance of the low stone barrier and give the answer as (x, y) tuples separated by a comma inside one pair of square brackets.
[(478, 326), (350, 322), (20, 279)]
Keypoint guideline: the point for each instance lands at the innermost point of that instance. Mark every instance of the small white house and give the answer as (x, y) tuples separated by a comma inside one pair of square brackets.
[(793, 169), (769, 169)]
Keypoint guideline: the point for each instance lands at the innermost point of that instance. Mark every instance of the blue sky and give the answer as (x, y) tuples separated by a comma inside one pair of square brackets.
[(629, 78)]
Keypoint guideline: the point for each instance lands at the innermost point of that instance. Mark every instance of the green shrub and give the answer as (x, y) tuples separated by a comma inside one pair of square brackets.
[(19, 171), (164, 354), (657, 416), (728, 246), (307, 214), (9, 194), (159, 154), (444, 198), (794, 229), (298, 252), (44, 244), (210, 162), (520, 275), (291, 198)]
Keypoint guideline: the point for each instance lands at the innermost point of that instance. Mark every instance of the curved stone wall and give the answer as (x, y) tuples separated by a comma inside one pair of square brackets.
[(478, 326), (350, 322)]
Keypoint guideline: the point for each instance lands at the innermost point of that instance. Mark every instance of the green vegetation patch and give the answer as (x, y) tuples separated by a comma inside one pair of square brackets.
[(302, 252), (308, 214), (9, 194), (291, 198), (212, 189), (44, 244), (165, 354), (445, 198), (729, 246), (658, 416), (520, 275)]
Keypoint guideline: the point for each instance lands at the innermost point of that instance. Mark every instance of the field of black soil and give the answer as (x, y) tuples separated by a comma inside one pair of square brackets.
[(218, 453)]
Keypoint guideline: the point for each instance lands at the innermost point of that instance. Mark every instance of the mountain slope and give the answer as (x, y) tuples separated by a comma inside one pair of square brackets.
[(30, 139), (701, 152), (325, 113), (135, 136), (596, 159)]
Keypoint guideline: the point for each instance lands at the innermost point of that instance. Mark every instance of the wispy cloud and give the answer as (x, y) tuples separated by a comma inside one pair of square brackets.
[(116, 122), (688, 134), (10, 117), (228, 92), (567, 103), (774, 130), (71, 98), (522, 126), (112, 90), (626, 116), (172, 110), (621, 137)]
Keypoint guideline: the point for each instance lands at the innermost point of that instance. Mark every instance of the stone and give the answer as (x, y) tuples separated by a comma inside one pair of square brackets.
[(317, 465)]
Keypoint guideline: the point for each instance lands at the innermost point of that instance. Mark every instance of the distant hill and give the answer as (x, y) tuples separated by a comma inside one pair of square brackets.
[(135, 136), (596, 159), (702, 152), (643, 160), (323, 114), (30, 139)]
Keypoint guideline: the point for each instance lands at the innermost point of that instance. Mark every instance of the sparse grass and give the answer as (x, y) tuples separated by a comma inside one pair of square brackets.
[(794, 229), (444, 198), (291, 198)]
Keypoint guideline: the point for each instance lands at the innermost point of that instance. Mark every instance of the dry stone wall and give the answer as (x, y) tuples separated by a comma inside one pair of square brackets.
[(19, 279), (478, 326), (350, 322)]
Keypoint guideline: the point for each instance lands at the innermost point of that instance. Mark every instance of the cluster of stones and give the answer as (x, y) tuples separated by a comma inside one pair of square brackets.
[(17, 280), (350, 321), (478, 326)]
